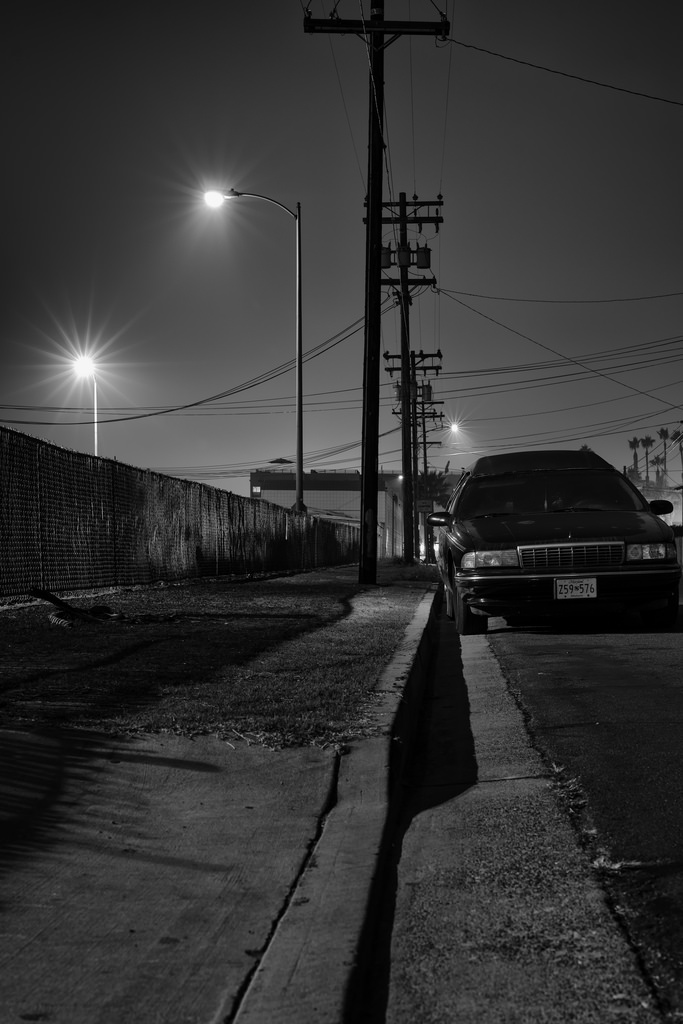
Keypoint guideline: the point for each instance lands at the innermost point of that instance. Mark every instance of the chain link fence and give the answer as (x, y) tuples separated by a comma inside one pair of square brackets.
[(72, 521)]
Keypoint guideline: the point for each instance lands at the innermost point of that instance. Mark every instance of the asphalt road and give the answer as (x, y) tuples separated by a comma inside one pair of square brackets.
[(604, 704)]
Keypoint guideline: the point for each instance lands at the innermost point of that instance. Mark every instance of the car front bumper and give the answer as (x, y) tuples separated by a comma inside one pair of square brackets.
[(501, 593)]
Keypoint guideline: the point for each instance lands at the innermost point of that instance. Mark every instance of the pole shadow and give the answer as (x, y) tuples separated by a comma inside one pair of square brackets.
[(442, 767)]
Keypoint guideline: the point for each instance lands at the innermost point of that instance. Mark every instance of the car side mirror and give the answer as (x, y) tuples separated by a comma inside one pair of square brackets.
[(661, 507), (439, 519)]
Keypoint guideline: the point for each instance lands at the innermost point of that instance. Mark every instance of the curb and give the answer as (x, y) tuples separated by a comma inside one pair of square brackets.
[(313, 969)]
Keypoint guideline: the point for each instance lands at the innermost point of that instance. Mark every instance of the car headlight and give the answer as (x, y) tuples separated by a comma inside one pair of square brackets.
[(489, 559), (649, 552)]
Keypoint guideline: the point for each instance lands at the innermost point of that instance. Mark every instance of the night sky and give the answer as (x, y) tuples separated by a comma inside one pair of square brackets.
[(559, 309)]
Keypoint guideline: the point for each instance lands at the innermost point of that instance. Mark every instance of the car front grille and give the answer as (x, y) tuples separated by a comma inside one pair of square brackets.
[(571, 556)]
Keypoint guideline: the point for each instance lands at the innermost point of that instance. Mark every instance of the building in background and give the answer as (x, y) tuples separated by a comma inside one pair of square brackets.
[(335, 494)]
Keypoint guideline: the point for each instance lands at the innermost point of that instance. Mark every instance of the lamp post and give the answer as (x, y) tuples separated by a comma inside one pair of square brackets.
[(85, 367), (215, 199)]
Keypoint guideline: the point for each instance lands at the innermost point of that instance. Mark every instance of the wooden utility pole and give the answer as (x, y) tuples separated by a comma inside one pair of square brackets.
[(424, 363), (405, 257), (373, 307), (373, 33), (406, 461)]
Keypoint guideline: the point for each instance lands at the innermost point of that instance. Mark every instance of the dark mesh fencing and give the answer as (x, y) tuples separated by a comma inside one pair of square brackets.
[(73, 521)]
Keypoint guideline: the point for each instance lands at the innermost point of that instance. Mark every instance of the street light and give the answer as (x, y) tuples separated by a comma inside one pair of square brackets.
[(85, 367), (215, 199)]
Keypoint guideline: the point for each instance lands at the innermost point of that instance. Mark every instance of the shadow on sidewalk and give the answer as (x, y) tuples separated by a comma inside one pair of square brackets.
[(442, 768), (50, 781), (35, 768)]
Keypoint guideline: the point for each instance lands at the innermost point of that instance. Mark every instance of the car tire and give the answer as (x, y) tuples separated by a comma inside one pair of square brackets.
[(665, 618), (449, 590), (466, 623), (450, 602)]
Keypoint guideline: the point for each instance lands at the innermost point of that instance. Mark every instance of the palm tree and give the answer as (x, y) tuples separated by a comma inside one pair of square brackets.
[(435, 485), (634, 445), (663, 436), (647, 443), (658, 462), (677, 436)]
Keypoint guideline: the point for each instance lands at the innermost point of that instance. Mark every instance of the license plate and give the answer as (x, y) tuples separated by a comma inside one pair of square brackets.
[(572, 588)]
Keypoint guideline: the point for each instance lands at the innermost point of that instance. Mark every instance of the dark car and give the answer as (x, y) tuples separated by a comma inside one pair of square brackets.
[(553, 532)]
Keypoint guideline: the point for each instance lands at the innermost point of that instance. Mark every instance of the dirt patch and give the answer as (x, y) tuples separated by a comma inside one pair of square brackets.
[(286, 661)]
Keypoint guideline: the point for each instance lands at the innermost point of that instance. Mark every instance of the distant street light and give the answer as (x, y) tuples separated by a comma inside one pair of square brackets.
[(215, 199), (85, 367)]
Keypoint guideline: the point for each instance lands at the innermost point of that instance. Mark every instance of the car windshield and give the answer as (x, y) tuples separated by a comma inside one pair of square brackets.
[(534, 493)]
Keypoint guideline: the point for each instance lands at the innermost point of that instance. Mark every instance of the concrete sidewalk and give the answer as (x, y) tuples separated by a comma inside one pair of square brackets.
[(196, 881), (190, 881)]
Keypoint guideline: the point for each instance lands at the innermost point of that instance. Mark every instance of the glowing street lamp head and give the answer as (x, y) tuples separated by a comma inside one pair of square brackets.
[(454, 428), (84, 366), (214, 199)]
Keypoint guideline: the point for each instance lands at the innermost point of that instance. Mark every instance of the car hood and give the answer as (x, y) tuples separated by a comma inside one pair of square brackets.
[(562, 528)]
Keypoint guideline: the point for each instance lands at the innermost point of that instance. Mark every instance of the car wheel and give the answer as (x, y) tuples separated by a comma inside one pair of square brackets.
[(450, 603), (466, 623), (662, 618), (449, 588)]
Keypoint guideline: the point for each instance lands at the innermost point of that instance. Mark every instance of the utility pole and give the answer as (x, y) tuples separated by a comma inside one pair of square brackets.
[(373, 307), (373, 34), (406, 439), (405, 257), (408, 478), (424, 363), (413, 432), (403, 300), (428, 411)]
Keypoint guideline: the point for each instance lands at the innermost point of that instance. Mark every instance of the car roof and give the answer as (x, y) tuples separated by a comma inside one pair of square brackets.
[(524, 462)]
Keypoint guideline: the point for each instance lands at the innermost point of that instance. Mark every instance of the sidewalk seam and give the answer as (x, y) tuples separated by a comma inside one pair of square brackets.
[(340, 885), (330, 802)]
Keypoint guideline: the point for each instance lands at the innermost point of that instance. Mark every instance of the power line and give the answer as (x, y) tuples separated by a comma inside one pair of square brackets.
[(568, 408), (346, 113), (558, 378), (547, 348), (515, 298), (651, 354), (262, 378), (445, 121), (647, 348), (237, 468), (566, 74)]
